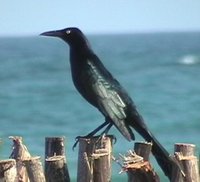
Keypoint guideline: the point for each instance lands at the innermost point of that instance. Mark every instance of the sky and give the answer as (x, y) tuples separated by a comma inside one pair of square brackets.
[(30, 17)]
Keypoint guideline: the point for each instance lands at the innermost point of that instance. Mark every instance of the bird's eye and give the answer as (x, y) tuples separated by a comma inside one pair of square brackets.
[(68, 32)]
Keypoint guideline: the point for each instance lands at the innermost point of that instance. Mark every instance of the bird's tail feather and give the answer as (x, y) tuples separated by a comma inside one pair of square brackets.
[(163, 158)]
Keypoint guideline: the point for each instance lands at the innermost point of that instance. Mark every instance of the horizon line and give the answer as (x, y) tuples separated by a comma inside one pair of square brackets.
[(106, 33)]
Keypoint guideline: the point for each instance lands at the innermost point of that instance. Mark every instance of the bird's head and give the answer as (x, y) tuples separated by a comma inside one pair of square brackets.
[(73, 36)]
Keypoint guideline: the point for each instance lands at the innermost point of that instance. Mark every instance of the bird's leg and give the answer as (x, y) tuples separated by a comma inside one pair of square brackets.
[(92, 133), (105, 132), (97, 129)]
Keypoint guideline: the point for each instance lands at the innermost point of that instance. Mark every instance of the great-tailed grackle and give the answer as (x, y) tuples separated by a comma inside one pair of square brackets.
[(97, 85)]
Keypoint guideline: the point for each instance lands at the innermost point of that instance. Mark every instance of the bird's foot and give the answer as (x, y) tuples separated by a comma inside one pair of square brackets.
[(100, 139), (114, 139), (78, 138)]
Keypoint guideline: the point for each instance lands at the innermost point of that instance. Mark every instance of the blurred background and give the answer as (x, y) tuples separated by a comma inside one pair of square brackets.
[(151, 47)]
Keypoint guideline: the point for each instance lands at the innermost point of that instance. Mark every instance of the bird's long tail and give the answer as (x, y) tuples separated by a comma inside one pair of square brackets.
[(167, 163)]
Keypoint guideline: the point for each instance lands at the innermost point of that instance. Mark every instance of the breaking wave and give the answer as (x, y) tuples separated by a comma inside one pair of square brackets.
[(189, 60)]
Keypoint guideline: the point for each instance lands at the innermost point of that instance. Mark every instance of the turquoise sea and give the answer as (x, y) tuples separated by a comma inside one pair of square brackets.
[(161, 72)]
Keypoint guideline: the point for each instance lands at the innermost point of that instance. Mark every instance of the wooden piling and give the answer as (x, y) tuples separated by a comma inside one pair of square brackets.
[(54, 146), (143, 149), (94, 159), (55, 160), (20, 153), (35, 169), (185, 155), (56, 169), (137, 165), (8, 171)]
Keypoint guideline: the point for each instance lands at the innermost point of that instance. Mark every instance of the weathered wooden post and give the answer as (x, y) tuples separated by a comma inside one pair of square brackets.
[(34, 169), (56, 169), (137, 165), (8, 171), (185, 155), (54, 146), (20, 153), (94, 159), (143, 149), (55, 161)]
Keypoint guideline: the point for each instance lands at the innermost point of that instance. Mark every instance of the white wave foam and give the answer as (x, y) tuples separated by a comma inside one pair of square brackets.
[(189, 60)]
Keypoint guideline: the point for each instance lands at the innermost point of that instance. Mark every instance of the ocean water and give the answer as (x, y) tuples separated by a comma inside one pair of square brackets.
[(160, 71)]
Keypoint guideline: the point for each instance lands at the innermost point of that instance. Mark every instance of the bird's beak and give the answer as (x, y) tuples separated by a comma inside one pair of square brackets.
[(54, 33)]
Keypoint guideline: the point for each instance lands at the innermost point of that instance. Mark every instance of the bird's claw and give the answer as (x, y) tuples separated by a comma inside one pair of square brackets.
[(114, 139), (77, 140), (88, 136), (75, 144)]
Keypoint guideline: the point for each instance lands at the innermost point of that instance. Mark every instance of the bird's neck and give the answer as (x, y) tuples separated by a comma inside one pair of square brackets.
[(78, 61), (79, 55), (78, 58)]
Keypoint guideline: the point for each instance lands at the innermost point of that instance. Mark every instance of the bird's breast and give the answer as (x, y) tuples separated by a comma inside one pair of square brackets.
[(84, 77)]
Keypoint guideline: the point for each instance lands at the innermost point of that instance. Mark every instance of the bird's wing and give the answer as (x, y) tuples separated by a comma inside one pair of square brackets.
[(109, 101), (113, 107)]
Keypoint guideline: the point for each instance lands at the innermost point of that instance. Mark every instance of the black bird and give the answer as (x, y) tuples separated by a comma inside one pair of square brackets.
[(97, 85)]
